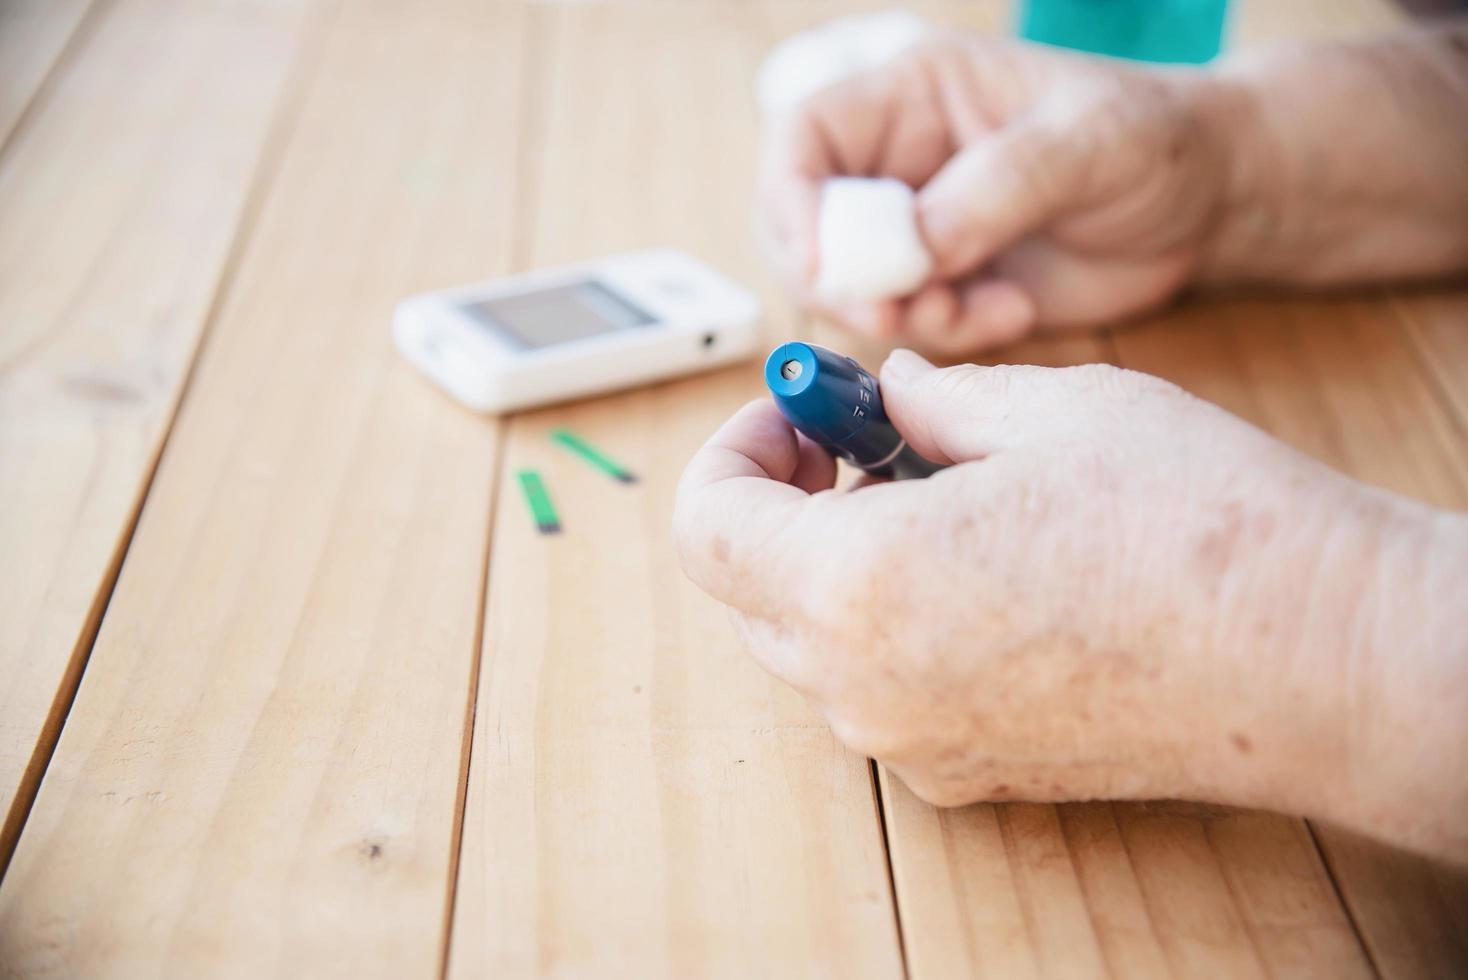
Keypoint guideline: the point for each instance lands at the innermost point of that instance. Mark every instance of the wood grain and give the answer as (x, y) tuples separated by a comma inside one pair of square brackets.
[(118, 205), (264, 768), (643, 800), (261, 770), (1437, 321), (33, 33)]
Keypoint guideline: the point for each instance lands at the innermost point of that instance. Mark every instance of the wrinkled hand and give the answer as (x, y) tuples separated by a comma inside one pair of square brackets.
[(1119, 591), (1054, 188)]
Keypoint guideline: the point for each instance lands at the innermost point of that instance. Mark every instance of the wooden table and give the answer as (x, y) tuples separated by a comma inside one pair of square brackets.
[(291, 685)]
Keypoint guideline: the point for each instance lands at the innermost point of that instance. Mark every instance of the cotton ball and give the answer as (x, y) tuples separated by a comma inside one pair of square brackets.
[(870, 249), (811, 60)]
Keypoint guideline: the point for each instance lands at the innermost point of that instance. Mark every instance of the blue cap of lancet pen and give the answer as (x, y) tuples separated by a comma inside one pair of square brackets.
[(838, 405)]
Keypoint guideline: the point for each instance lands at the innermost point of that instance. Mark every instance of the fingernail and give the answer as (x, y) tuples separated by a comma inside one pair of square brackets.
[(903, 365)]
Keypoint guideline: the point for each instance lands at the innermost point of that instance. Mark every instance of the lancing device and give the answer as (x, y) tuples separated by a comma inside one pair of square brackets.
[(836, 404)]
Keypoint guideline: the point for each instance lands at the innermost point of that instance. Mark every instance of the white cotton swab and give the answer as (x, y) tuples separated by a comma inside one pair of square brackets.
[(870, 249)]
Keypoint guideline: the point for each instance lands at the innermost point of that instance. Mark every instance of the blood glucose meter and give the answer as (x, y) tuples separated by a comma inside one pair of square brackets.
[(577, 330)]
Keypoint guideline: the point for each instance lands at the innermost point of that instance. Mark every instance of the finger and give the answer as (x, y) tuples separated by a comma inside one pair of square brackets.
[(883, 122), (775, 647), (876, 320), (795, 159), (929, 313), (992, 313), (966, 412), (1073, 290), (789, 211), (829, 135), (854, 121), (737, 519), (958, 321), (815, 470), (919, 135), (998, 189)]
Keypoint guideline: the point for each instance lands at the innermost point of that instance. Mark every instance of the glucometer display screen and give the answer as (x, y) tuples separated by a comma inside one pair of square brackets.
[(558, 315)]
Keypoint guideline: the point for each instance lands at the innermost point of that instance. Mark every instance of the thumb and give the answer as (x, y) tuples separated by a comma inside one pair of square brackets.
[(995, 191), (956, 414)]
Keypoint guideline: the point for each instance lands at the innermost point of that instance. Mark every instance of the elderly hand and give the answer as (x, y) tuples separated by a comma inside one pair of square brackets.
[(1063, 190), (1053, 188), (1119, 591)]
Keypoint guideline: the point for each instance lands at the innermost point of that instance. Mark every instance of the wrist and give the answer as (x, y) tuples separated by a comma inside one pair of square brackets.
[(1362, 662), (1246, 233), (1337, 663), (1403, 691), (1318, 190)]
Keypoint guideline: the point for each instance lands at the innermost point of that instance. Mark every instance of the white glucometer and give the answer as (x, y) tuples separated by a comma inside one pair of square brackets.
[(577, 330)]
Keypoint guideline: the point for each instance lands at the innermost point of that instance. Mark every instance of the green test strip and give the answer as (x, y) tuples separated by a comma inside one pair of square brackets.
[(541, 507), (589, 453)]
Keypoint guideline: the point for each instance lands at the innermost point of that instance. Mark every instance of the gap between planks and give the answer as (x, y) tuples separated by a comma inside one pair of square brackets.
[(471, 708), (277, 137), (881, 814), (1340, 896), (530, 133)]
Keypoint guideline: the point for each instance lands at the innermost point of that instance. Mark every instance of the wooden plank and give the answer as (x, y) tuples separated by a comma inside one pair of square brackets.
[(1339, 378), (1140, 889), (119, 201), (1437, 321), (643, 801), (33, 34), (261, 770)]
